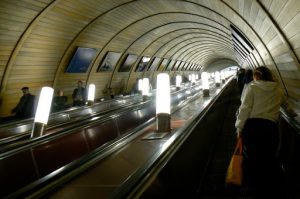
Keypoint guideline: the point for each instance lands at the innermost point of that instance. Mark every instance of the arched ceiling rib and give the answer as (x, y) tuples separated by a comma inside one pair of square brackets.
[(77, 7), (191, 35), (135, 22), (45, 33), (260, 38), (203, 46), (141, 23), (167, 38)]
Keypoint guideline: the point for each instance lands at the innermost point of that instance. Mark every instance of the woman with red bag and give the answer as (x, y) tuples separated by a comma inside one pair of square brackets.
[(256, 123)]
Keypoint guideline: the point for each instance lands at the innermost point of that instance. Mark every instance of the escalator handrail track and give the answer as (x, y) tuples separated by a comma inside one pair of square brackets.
[(89, 159)]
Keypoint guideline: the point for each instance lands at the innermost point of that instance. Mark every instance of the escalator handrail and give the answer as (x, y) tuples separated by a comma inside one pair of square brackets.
[(15, 148), (70, 111), (140, 177), (25, 134), (291, 121), (10, 150), (97, 154)]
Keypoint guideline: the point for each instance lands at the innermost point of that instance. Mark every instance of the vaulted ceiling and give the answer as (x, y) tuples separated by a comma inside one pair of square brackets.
[(39, 37)]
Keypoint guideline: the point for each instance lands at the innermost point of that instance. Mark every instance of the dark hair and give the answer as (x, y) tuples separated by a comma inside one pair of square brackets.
[(248, 76), (25, 88), (264, 73)]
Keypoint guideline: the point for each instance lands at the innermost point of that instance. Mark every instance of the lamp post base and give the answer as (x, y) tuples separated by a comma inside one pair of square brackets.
[(38, 129), (90, 103), (205, 93), (145, 98), (163, 122)]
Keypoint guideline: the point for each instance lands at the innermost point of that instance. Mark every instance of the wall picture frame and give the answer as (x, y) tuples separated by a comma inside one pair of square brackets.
[(162, 64), (154, 64), (81, 60), (128, 62), (142, 64), (109, 61)]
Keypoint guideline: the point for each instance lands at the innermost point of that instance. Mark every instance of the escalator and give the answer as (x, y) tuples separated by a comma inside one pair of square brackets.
[(201, 174), (213, 184), (123, 163), (198, 168), (189, 162), (45, 155), (18, 130)]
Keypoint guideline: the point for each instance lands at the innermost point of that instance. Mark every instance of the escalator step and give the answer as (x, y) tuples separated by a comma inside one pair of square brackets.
[(213, 186)]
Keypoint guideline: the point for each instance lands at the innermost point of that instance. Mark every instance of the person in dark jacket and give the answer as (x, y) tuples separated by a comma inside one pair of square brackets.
[(59, 101), (25, 107), (240, 79), (79, 95)]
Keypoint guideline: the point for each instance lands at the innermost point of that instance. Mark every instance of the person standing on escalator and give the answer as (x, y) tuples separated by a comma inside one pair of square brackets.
[(256, 124), (25, 107), (79, 94)]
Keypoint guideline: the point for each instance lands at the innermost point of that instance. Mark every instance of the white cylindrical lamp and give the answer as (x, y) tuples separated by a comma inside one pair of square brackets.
[(205, 84), (42, 112), (217, 79), (91, 94), (178, 81), (145, 88), (140, 85), (163, 103), (193, 79), (223, 76)]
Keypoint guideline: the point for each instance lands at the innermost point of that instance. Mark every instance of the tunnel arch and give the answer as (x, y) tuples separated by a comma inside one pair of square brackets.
[(41, 36)]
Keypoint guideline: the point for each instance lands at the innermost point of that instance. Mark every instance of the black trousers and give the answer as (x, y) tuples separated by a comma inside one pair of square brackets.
[(261, 167)]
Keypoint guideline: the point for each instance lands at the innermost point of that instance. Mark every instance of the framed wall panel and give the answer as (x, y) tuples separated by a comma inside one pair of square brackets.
[(142, 64), (81, 60), (170, 65), (163, 64), (176, 65), (109, 61), (154, 64), (128, 63)]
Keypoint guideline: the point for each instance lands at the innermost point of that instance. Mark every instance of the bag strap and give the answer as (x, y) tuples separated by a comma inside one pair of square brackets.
[(239, 147)]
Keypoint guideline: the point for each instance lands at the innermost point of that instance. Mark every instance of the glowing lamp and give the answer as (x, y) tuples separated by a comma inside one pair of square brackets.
[(145, 88), (91, 94), (140, 85), (217, 79), (223, 76), (193, 78), (205, 83), (178, 81), (42, 112), (163, 103)]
